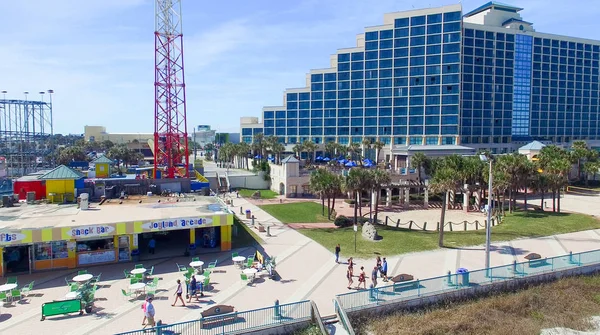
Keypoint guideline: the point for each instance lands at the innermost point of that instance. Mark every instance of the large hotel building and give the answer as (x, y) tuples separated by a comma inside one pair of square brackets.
[(438, 78)]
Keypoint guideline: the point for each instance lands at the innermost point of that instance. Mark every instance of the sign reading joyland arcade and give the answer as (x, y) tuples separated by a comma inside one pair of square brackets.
[(177, 224)]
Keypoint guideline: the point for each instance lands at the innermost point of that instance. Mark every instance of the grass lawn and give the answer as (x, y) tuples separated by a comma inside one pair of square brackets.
[(399, 240), (264, 194), (297, 212), (566, 303), (245, 236)]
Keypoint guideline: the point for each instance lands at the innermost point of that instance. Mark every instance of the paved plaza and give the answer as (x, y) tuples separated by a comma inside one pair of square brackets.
[(307, 271)]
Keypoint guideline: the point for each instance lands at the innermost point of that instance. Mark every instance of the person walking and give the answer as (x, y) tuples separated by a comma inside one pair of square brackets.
[(178, 294), (349, 277), (374, 275), (144, 304), (384, 269), (337, 253), (361, 278), (378, 263), (151, 246), (150, 312), (351, 266), (192, 289)]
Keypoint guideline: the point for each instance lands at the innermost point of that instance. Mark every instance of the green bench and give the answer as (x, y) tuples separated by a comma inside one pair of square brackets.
[(61, 308), (218, 316)]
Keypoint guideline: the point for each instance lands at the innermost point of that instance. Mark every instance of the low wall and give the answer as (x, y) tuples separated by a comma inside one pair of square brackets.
[(470, 292), (253, 182)]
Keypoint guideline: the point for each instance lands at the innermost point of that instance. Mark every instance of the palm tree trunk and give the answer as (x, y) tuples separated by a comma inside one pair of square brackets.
[(510, 203), (328, 208), (558, 200), (376, 205), (553, 200), (542, 200), (360, 203), (371, 205), (525, 198), (356, 200), (332, 204), (323, 203), (443, 219)]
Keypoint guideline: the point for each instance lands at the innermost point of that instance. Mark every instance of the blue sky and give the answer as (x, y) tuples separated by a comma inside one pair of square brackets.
[(98, 56)]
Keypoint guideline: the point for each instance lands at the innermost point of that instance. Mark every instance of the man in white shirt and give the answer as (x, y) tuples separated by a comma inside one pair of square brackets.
[(149, 313)]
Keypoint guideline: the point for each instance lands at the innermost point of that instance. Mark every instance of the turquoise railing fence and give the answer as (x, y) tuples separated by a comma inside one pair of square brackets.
[(236, 322), (403, 291), (343, 317)]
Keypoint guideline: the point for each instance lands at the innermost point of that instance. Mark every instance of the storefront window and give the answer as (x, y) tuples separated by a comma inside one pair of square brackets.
[(95, 251), (95, 245), (123, 248), (51, 250)]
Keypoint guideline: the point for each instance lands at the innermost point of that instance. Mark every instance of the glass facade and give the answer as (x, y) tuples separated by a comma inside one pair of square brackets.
[(487, 84), (404, 86), (433, 79)]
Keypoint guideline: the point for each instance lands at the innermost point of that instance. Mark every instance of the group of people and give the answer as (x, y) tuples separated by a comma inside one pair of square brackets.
[(379, 270)]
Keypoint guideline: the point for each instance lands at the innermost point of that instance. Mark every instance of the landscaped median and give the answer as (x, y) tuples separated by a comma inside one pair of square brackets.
[(297, 212), (264, 194), (399, 240)]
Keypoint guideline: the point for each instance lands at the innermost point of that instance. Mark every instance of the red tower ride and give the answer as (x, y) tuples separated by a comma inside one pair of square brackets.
[(170, 126)]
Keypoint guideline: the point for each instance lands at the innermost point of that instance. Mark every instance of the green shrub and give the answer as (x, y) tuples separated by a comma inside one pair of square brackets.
[(342, 221)]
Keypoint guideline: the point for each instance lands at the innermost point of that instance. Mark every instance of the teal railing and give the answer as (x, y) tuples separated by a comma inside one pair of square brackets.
[(343, 317), (404, 291), (236, 322)]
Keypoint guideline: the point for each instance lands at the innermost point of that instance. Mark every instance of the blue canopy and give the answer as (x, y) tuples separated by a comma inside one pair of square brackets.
[(258, 157), (368, 161), (319, 158), (351, 164), (326, 159), (368, 164)]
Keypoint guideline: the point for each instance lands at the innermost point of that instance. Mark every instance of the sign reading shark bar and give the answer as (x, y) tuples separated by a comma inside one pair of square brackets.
[(176, 224)]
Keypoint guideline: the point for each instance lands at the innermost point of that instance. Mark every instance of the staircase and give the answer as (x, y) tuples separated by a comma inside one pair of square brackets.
[(333, 325), (201, 178), (223, 185)]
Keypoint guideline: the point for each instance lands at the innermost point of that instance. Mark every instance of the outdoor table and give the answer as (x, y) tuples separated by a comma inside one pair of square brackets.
[(250, 272), (197, 265), (82, 278), (137, 271), (200, 278), (238, 259), (71, 295), (137, 287), (7, 287)]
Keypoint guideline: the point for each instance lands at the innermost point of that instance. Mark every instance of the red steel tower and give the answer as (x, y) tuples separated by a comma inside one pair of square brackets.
[(170, 125)]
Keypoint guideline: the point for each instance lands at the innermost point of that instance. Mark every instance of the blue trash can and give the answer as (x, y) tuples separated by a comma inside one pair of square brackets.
[(248, 214), (462, 275), (192, 249)]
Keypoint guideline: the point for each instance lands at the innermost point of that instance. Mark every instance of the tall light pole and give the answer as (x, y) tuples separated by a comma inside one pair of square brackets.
[(488, 225)]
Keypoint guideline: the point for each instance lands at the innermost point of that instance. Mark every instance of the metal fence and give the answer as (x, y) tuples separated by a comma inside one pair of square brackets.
[(236, 322), (404, 291)]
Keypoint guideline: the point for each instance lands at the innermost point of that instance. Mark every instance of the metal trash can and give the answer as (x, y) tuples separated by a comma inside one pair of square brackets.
[(462, 275), (248, 214)]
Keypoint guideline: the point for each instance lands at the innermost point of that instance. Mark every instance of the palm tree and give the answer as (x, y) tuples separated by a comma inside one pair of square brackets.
[(419, 161), (310, 147), (380, 178), (353, 148), (590, 168), (317, 185), (354, 184), (244, 149), (277, 148), (579, 151), (334, 188), (298, 149), (366, 145), (554, 161), (330, 148), (259, 145), (378, 145), (444, 180)]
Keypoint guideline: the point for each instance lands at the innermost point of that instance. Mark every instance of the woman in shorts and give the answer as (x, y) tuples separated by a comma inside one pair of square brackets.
[(178, 294)]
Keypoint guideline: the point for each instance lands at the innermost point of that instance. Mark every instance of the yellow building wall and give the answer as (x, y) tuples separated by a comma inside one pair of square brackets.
[(102, 170), (225, 238), (60, 186)]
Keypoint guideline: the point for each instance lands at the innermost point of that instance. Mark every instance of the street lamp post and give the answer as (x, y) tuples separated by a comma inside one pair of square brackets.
[(488, 225)]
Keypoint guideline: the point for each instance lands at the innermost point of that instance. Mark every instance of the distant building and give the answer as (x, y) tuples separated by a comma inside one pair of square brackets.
[(439, 77), (99, 134), (203, 135)]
